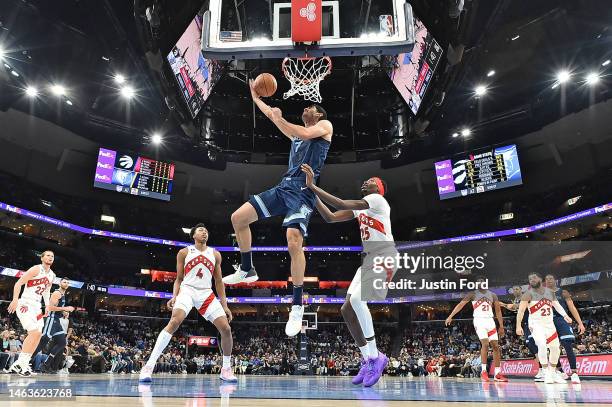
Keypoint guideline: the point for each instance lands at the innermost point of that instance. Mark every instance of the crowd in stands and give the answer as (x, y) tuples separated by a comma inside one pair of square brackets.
[(119, 346)]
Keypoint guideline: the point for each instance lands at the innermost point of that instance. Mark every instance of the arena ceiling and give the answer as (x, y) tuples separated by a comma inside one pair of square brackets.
[(83, 44)]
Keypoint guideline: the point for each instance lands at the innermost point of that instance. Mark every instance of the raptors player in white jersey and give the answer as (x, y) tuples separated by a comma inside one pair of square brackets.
[(196, 265), (540, 302), (483, 302), (374, 216), (37, 281)]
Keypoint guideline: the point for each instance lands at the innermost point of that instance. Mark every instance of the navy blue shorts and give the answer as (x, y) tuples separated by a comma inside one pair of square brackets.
[(52, 327), (291, 199), (527, 333), (564, 330)]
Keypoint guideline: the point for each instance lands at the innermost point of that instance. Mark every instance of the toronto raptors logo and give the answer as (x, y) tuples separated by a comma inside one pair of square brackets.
[(23, 309), (308, 12)]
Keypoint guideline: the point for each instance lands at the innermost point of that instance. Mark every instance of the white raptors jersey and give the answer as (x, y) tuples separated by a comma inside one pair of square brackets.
[(483, 304), (199, 268), (375, 222), (540, 306), (36, 286)]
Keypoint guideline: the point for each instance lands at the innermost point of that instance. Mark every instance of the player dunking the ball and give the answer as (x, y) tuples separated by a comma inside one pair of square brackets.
[(291, 198), (373, 214), (540, 301), (196, 265), (483, 301), (37, 281)]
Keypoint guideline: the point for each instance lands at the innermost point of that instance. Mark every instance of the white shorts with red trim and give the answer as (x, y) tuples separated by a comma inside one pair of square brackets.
[(486, 329), (544, 333), (203, 300), (30, 315)]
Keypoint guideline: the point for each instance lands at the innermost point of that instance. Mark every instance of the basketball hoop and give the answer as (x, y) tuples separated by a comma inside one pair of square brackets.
[(305, 75)]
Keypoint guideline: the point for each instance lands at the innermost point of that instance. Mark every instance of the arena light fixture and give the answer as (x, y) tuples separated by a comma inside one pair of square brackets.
[(186, 230), (107, 218), (120, 79), (2, 53), (592, 78), (466, 132), (490, 73), (605, 63), (455, 135), (572, 201), (420, 229), (563, 76), (480, 90), (506, 216), (31, 91), (516, 37), (127, 92), (69, 102), (15, 73), (157, 138), (58, 90)]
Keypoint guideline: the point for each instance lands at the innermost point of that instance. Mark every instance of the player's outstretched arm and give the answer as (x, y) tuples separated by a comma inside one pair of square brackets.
[(27, 276), (341, 204), (220, 287), (521, 312), (323, 128), (498, 314), (574, 311), (333, 217), (180, 274), (458, 308)]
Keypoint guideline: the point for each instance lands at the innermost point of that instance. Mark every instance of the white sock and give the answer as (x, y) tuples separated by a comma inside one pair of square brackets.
[(163, 339), (227, 361), (484, 368), (364, 351), (24, 359), (372, 350), (497, 370)]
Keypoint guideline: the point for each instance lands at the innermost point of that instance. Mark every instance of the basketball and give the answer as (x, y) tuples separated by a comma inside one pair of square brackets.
[(265, 84)]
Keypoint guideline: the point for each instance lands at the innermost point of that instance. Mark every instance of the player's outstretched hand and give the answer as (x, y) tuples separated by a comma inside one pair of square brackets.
[(254, 93), (501, 332), (228, 313), (519, 331), (309, 175), (568, 319), (171, 303), (448, 321), (12, 307)]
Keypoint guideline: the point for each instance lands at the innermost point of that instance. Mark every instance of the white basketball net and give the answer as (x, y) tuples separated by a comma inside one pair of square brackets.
[(305, 75)]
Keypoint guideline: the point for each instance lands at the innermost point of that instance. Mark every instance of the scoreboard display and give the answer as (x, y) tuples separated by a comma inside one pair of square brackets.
[(131, 174), (475, 173)]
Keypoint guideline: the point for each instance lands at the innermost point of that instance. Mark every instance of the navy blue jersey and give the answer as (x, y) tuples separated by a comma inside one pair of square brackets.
[(60, 303), (312, 152), (559, 296)]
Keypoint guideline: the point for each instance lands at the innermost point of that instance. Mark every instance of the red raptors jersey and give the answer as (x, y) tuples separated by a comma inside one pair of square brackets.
[(36, 286), (540, 306), (199, 268), (483, 304), (375, 222)]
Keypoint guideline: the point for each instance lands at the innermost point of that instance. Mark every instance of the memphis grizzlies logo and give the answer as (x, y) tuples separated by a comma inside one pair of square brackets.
[(305, 211)]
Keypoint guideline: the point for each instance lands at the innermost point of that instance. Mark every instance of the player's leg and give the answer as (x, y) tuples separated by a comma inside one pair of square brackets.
[(295, 241), (533, 349), (45, 337), (484, 356), (377, 361), (163, 339), (58, 343), (223, 326), (264, 205), (554, 348), (31, 321), (567, 339), (241, 221)]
